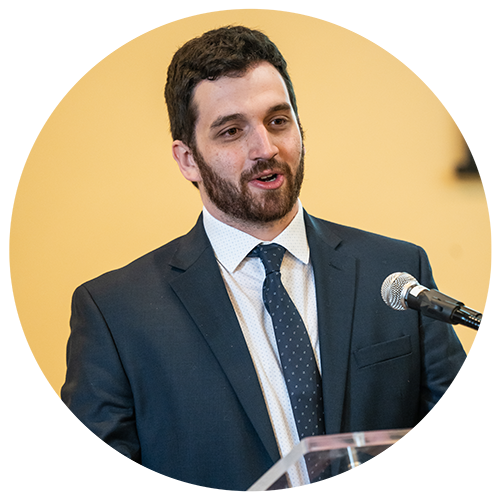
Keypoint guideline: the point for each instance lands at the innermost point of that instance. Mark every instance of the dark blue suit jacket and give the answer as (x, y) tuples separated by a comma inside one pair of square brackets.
[(159, 369)]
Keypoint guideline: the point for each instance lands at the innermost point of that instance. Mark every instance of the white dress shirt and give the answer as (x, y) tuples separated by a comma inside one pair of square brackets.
[(244, 277)]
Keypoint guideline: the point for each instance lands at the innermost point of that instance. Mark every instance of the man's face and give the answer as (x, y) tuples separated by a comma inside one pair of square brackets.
[(249, 150)]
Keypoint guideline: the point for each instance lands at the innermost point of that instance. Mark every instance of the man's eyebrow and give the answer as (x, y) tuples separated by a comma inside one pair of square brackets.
[(284, 106), (221, 120)]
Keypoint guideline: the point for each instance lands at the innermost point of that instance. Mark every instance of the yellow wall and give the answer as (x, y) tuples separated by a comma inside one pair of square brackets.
[(100, 187)]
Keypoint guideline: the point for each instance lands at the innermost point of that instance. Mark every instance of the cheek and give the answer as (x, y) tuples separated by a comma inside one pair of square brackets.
[(228, 163), (293, 153), (291, 144)]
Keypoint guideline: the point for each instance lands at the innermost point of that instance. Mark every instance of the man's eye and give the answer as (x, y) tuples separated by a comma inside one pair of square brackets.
[(230, 132), (279, 121)]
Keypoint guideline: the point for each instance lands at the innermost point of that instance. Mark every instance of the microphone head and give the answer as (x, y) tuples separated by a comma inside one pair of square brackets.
[(394, 289)]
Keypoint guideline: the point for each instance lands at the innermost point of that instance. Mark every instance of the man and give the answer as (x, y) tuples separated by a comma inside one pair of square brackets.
[(180, 361)]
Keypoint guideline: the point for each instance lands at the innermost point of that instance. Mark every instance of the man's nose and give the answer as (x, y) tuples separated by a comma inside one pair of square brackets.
[(262, 144)]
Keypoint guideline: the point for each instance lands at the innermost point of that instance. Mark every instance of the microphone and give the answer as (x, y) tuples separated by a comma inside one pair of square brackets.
[(401, 291)]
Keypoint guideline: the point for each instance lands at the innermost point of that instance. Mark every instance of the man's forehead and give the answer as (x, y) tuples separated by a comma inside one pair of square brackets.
[(261, 84)]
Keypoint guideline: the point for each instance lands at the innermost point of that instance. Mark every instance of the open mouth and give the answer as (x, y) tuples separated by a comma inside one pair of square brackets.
[(268, 178), (268, 181)]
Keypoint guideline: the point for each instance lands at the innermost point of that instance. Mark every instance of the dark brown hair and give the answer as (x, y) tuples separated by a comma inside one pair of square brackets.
[(227, 51)]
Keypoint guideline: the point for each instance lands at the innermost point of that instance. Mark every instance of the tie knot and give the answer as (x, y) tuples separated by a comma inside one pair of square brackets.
[(270, 255)]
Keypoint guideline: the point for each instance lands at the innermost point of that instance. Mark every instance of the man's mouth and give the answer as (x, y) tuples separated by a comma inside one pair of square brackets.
[(268, 178)]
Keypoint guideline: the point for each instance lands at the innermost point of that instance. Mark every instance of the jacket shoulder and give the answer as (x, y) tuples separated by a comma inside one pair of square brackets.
[(351, 238), (160, 264)]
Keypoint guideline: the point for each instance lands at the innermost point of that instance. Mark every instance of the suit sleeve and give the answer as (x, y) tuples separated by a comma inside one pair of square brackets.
[(97, 389), (442, 352)]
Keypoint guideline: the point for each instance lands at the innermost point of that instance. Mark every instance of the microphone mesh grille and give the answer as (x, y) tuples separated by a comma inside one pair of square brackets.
[(394, 289)]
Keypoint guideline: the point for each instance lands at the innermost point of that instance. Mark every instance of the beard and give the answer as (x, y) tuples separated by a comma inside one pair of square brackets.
[(239, 203)]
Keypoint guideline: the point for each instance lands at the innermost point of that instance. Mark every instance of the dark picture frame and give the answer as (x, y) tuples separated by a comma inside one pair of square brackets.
[(479, 161)]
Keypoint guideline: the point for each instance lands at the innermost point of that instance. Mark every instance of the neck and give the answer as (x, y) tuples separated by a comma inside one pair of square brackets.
[(263, 231)]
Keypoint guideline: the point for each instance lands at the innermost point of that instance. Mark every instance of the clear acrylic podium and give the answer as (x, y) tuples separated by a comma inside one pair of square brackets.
[(453, 458)]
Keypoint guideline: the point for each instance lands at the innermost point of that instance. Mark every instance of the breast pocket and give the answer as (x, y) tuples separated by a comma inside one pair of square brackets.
[(384, 351)]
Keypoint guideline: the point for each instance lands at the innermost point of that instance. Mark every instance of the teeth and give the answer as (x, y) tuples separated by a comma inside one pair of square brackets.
[(267, 177)]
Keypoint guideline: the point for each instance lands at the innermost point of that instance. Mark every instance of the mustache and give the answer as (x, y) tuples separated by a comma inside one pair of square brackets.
[(263, 165)]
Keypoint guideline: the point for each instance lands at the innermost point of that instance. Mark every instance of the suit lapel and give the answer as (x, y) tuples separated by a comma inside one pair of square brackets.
[(202, 291), (335, 277)]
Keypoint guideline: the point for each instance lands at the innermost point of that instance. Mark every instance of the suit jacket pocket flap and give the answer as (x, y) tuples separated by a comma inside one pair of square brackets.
[(383, 352)]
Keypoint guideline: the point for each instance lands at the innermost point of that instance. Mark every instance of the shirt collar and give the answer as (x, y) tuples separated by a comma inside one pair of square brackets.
[(231, 245)]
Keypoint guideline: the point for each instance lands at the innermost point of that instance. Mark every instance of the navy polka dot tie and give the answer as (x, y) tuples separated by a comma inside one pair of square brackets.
[(299, 366)]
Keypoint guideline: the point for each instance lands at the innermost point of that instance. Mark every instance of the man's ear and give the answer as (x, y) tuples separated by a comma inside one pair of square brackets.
[(184, 157)]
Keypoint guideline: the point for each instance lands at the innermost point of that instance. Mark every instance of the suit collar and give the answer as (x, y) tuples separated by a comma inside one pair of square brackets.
[(190, 247)]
